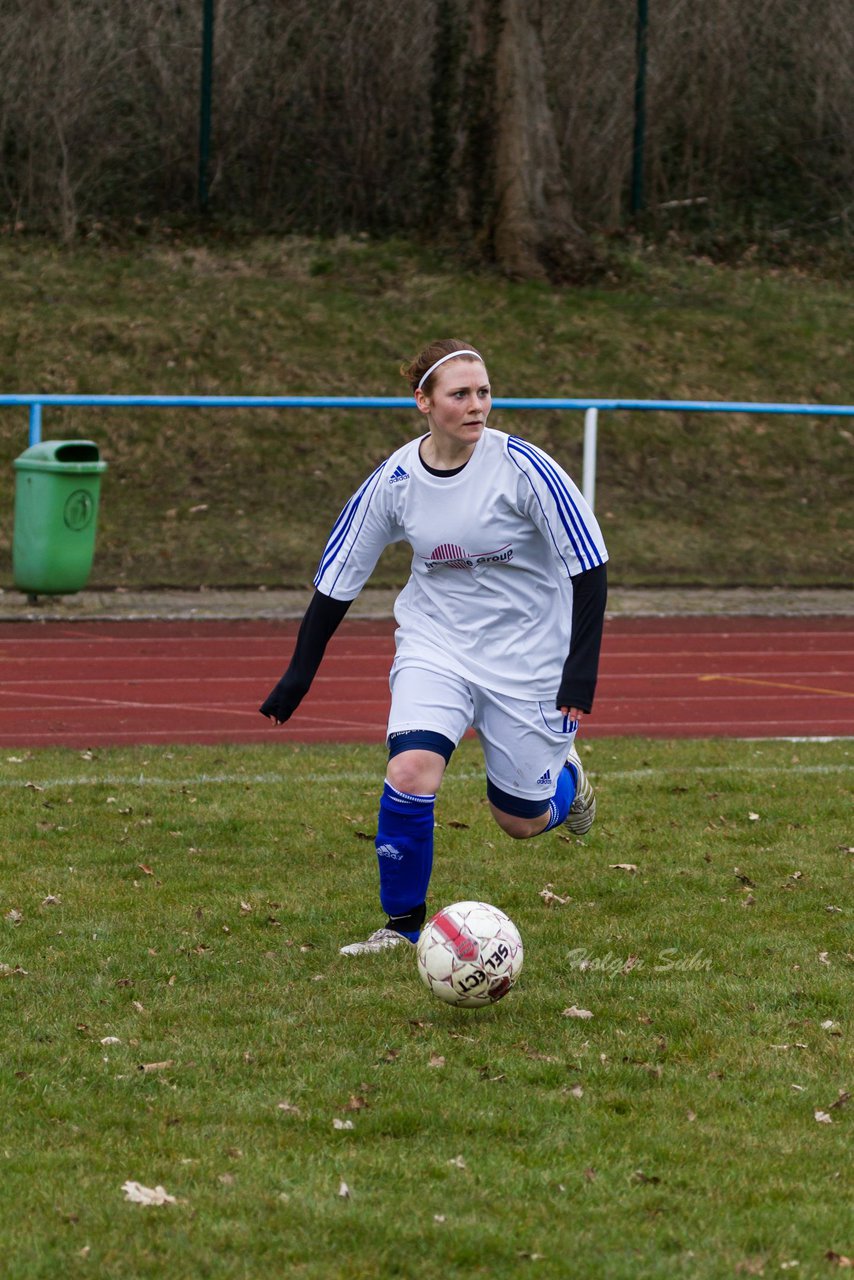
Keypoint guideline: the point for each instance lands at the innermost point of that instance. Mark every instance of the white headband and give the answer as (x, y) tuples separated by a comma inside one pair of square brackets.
[(449, 356)]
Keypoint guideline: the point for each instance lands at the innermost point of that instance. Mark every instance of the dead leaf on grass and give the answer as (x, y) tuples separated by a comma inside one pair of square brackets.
[(822, 1117), (838, 1259), (750, 1267), (551, 899), (356, 1102), (344, 1191), (436, 1060), (288, 1108), (631, 867), (139, 1194), (573, 1012), (149, 1067), (536, 1055)]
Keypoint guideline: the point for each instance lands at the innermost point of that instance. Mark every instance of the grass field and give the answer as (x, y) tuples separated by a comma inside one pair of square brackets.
[(175, 1013), (247, 498)]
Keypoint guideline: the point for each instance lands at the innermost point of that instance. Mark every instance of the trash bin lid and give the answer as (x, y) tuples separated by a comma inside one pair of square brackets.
[(80, 456)]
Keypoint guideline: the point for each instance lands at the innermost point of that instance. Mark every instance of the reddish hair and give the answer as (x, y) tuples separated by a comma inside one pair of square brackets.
[(414, 372)]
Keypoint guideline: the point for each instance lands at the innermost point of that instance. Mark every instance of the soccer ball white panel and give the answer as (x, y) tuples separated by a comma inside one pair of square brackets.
[(469, 954)]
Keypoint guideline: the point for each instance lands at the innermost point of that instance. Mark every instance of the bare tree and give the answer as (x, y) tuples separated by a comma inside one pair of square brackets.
[(497, 164), (535, 233)]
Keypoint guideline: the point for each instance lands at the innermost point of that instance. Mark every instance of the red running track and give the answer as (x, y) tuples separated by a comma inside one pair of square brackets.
[(104, 684)]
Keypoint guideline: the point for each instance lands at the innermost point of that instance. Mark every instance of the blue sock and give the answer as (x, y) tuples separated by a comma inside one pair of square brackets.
[(405, 853), (562, 798)]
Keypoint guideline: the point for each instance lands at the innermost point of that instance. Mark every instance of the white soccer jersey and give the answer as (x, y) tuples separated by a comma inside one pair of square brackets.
[(493, 550)]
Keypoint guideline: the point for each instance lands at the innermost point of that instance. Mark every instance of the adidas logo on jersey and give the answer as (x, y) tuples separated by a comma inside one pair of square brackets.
[(545, 779), (397, 475)]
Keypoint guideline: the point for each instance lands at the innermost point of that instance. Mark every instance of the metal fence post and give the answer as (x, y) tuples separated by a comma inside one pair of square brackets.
[(35, 424), (205, 96), (588, 477), (637, 201)]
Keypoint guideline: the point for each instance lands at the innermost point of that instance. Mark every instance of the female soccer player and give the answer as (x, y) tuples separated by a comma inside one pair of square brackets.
[(499, 625)]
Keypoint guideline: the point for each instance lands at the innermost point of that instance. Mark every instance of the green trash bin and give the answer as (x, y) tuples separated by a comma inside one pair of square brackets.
[(57, 492)]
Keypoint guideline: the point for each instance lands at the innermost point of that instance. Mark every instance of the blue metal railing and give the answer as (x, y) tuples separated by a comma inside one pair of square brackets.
[(589, 406)]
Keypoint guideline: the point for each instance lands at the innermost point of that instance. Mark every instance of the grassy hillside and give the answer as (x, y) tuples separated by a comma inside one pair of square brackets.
[(246, 498)]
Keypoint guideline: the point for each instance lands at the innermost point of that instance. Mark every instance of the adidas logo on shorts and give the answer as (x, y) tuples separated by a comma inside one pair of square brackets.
[(545, 779)]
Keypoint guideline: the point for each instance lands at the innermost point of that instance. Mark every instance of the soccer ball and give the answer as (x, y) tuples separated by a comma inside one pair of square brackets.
[(469, 954)]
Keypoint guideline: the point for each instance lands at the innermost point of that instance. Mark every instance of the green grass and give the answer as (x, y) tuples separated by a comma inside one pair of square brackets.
[(227, 498), (190, 903)]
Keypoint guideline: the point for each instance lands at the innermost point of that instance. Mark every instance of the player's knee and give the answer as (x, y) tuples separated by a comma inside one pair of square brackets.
[(518, 817), (518, 828), (418, 773)]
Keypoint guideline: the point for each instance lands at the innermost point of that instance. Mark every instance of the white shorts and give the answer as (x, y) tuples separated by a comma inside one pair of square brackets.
[(525, 744)]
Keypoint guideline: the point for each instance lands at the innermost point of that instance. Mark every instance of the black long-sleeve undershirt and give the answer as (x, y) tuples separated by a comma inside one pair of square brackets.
[(580, 671), (320, 622)]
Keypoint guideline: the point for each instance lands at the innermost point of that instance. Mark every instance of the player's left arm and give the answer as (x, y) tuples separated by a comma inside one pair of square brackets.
[(555, 504), (581, 668)]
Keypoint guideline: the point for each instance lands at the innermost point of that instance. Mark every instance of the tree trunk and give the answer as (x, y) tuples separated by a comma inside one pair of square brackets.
[(496, 163), (534, 231)]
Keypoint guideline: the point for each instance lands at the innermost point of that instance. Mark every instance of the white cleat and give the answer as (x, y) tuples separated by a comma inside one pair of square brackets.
[(380, 940), (582, 811)]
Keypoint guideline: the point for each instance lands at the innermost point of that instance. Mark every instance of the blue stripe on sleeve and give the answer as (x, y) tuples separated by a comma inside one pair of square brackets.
[(343, 525), (582, 540)]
